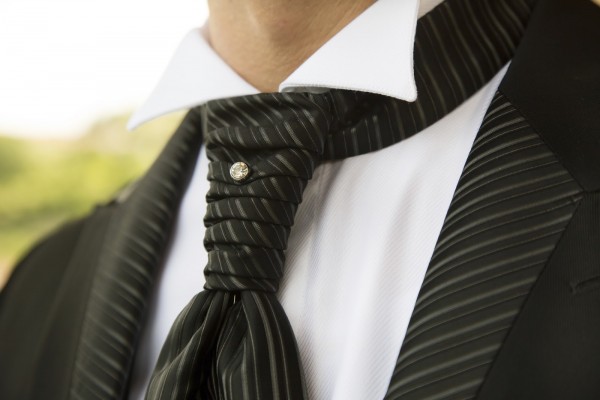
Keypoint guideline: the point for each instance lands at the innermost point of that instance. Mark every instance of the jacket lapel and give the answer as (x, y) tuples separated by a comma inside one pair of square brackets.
[(519, 190), (132, 252), (551, 351), (511, 205)]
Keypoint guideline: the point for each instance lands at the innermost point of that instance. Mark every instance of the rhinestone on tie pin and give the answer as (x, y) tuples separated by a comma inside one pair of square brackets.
[(239, 171)]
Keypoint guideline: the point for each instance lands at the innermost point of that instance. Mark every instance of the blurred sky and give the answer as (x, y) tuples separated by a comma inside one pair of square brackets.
[(65, 63)]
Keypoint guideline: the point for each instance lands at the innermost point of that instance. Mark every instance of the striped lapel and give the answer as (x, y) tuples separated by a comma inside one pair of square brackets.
[(522, 183), (132, 251), (511, 205)]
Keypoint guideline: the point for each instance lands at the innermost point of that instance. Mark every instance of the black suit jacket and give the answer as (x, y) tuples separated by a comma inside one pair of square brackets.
[(80, 294)]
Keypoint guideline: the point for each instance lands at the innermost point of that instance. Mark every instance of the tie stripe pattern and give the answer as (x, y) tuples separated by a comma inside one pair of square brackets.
[(139, 233), (510, 208), (459, 47), (233, 340)]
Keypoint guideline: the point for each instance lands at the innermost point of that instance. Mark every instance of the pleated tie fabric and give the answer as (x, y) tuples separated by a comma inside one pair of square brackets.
[(233, 340), (238, 329)]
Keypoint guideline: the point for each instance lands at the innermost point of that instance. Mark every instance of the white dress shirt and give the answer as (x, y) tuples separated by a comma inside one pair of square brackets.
[(354, 263)]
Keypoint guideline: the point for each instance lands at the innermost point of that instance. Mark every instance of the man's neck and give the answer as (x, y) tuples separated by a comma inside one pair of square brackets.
[(264, 41)]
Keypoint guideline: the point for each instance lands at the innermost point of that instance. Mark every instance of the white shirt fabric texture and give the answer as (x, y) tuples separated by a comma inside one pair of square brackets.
[(367, 227)]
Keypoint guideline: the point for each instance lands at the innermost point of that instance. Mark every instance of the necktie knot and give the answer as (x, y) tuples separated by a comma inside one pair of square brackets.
[(249, 126), (262, 149)]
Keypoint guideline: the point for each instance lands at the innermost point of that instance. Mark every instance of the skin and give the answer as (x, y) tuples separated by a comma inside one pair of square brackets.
[(264, 41)]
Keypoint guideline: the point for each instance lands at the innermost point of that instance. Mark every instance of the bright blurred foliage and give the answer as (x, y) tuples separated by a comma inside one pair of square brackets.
[(45, 183)]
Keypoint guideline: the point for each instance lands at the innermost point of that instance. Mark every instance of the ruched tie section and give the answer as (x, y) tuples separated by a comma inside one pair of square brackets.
[(234, 341)]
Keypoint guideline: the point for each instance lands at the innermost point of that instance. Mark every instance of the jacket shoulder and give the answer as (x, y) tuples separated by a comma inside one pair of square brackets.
[(554, 81)]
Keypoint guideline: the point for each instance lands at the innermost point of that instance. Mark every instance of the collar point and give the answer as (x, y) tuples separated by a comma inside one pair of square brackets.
[(409, 92), (135, 122)]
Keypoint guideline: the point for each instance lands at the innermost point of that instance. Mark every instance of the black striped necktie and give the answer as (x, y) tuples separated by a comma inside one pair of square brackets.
[(233, 340)]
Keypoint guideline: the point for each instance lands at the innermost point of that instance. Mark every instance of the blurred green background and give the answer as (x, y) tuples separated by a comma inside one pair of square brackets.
[(44, 183)]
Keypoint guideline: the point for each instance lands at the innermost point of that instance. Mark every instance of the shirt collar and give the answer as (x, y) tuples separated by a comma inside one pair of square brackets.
[(373, 53)]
